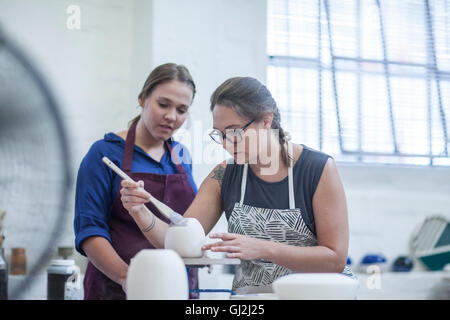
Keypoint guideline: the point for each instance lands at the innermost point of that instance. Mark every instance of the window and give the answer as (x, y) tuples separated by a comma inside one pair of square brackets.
[(365, 81)]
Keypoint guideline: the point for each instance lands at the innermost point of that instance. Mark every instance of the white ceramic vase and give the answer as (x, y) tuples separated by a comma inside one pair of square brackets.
[(187, 240), (157, 274)]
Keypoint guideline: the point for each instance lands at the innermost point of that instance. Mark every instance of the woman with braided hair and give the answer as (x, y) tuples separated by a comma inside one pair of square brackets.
[(284, 202)]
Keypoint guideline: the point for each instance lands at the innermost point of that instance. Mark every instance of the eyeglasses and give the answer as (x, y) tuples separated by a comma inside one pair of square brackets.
[(232, 135)]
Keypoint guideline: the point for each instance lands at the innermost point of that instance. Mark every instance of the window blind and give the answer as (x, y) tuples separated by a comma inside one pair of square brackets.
[(363, 80)]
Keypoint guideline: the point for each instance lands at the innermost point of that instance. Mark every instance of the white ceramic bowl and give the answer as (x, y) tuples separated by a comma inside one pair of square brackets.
[(316, 286), (157, 274), (187, 240)]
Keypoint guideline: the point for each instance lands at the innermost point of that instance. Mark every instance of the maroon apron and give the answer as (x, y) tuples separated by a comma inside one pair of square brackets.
[(127, 239)]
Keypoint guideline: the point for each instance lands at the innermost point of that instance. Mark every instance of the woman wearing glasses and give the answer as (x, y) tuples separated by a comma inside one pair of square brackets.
[(104, 230), (285, 203)]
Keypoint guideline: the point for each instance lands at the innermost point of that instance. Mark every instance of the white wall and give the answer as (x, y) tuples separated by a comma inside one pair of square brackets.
[(96, 73), (88, 74), (216, 40), (387, 203)]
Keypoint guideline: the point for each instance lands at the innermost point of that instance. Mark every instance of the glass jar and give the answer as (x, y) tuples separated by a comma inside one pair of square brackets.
[(18, 263), (63, 280)]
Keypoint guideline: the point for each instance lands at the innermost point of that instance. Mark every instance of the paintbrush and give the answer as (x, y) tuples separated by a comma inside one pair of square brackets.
[(166, 211)]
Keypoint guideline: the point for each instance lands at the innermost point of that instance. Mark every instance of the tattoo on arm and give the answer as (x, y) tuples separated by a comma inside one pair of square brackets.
[(218, 173)]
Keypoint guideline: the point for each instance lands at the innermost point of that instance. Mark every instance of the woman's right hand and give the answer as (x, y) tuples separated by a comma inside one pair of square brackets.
[(134, 196)]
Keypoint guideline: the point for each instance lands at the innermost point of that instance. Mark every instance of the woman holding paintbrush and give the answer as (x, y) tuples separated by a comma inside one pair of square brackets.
[(284, 202), (104, 230)]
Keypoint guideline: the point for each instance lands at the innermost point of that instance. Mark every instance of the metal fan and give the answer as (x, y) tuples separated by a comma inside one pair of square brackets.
[(35, 177)]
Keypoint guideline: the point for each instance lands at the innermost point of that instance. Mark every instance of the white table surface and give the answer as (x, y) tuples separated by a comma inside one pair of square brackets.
[(417, 285)]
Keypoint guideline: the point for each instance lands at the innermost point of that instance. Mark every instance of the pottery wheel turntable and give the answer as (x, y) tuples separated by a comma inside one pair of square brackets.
[(208, 262)]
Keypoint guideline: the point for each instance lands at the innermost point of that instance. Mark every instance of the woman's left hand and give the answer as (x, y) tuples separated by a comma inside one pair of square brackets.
[(238, 246)]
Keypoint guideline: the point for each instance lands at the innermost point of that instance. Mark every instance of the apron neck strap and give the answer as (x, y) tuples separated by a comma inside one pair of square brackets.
[(129, 149), (243, 184), (291, 175), (174, 157)]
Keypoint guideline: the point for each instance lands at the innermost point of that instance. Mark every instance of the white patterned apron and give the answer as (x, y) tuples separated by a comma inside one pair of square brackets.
[(278, 225)]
